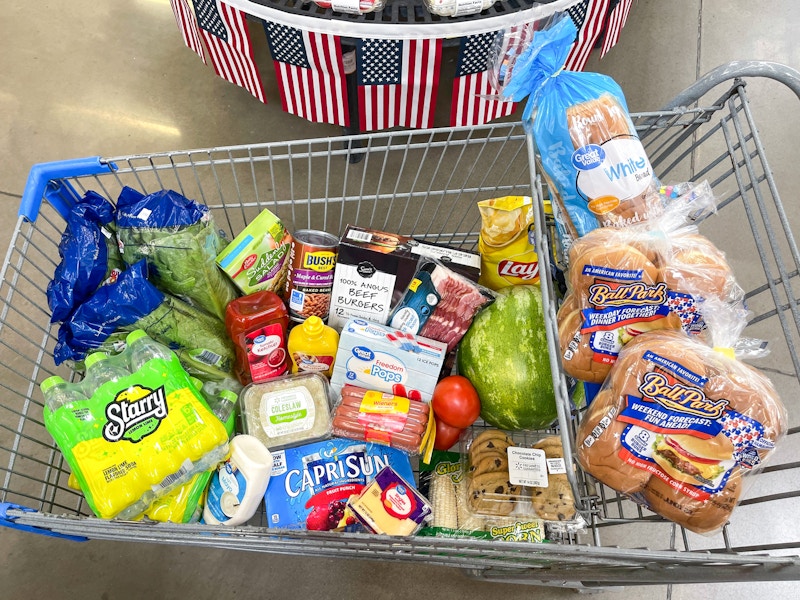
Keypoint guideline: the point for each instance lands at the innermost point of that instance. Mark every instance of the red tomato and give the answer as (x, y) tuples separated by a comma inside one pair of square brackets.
[(446, 436), (456, 402)]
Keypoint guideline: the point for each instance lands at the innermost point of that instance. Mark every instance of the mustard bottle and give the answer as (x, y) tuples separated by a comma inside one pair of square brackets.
[(312, 347)]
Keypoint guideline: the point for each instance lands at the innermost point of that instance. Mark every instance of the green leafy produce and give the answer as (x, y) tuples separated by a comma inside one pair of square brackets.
[(180, 241)]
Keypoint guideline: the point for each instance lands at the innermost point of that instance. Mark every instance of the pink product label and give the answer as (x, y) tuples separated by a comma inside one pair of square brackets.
[(273, 272), (266, 352), (312, 278)]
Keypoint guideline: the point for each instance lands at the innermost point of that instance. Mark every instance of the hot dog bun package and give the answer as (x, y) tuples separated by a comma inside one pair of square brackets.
[(594, 163), (625, 282), (682, 427)]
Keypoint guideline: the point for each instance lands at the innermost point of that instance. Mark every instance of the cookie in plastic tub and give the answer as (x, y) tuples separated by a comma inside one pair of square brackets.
[(524, 480), (354, 7), (457, 8), (682, 427), (287, 411)]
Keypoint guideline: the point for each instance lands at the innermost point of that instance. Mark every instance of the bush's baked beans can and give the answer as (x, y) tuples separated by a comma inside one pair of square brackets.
[(312, 259)]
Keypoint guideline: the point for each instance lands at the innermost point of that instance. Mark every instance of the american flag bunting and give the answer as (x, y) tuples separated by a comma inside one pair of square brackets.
[(397, 82), (616, 21), (184, 17), (475, 100), (310, 73), (589, 18), (224, 31)]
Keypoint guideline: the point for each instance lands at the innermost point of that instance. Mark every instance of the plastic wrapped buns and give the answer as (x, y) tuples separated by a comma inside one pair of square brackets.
[(683, 427)]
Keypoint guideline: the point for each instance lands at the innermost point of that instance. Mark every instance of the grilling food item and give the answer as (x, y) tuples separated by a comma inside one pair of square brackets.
[(373, 416), (504, 355), (690, 459), (439, 304), (681, 427)]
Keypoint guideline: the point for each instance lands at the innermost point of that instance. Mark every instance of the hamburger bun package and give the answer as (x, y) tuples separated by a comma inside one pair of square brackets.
[(593, 160), (625, 282), (682, 427)]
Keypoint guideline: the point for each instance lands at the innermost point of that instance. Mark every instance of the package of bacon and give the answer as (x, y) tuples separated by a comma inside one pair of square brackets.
[(439, 304)]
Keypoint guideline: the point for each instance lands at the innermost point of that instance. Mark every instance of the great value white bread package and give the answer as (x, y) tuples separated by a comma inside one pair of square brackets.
[(681, 428), (590, 152)]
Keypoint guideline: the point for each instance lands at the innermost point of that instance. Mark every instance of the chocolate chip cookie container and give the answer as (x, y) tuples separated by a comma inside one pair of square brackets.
[(312, 259), (517, 476)]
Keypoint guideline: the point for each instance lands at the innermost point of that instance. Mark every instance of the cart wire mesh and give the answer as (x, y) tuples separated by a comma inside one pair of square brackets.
[(427, 183)]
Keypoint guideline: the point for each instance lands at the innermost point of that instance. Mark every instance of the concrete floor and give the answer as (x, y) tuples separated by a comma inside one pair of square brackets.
[(87, 78)]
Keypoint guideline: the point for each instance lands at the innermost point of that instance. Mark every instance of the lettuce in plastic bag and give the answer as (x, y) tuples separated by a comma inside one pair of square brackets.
[(132, 302), (180, 241)]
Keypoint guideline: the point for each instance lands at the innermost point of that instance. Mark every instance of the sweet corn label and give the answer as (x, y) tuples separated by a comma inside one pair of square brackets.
[(143, 438)]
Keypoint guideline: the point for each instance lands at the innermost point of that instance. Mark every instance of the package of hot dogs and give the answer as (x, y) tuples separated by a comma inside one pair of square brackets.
[(380, 417), (681, 427)]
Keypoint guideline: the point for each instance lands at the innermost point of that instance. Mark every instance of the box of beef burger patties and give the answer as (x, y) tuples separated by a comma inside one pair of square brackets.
[(373, 269)]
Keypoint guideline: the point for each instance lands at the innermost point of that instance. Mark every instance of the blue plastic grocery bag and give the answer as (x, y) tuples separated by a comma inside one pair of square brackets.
[(85, 261), (587, 143), (113, 306)]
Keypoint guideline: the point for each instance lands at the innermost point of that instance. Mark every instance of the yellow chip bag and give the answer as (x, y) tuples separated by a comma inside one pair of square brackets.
[(508, 255)]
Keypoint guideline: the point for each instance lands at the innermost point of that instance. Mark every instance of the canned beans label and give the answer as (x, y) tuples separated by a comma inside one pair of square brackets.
[(310, 279)]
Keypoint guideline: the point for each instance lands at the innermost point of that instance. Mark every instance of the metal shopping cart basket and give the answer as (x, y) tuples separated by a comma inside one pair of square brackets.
[(427, 183)]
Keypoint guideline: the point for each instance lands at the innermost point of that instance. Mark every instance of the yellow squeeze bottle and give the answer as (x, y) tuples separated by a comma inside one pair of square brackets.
[(312, 347)]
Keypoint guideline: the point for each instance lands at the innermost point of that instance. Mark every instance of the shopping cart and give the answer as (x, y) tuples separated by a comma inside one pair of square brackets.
[(427, 183)]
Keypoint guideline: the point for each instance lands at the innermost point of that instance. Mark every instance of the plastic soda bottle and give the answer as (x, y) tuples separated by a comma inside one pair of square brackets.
[(100, 370), (142, 348), (225, 405), (58, 392), (312, 347)]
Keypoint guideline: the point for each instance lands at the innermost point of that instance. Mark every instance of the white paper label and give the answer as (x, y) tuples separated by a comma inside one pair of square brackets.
[(346, 6), (359, 236), (359, 296), (556, 466), (527, 466), (467, 7), (144, 214), (459, 257)]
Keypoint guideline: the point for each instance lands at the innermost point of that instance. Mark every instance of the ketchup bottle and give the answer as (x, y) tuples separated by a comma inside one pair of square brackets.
[(257, 324)]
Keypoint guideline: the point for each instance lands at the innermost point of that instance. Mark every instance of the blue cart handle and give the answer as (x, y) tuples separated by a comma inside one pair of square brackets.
[(48, 180), (7, 521)]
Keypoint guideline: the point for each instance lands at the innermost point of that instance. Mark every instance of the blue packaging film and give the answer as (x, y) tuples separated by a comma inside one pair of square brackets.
[(588, 146), (310, 484)]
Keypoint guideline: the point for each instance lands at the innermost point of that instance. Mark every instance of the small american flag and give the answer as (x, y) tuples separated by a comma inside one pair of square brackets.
[(589, 18), (188, 26), (397, 82), (310, 73), (616, 21), (224, 30), (472, 102)]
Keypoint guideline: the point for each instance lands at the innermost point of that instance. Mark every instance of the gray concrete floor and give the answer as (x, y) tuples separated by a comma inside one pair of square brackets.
[(87, 78)]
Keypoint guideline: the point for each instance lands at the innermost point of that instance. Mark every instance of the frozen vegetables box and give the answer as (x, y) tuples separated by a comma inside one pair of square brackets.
[(311, 484)]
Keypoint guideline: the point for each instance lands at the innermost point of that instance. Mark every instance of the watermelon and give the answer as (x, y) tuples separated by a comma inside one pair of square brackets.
[(504, 355)]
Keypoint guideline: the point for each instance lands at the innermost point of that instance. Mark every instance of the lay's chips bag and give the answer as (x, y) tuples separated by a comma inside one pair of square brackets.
[(508, 255)]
